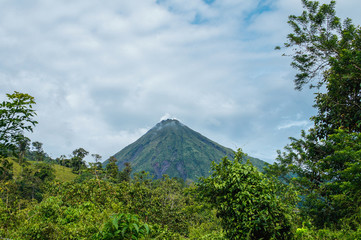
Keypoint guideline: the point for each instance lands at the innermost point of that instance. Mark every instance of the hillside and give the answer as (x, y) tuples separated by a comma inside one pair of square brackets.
[(172, 148), (63, 174)]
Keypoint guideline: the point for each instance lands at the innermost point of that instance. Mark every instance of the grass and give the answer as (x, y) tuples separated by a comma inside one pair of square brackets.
[(63, 174)]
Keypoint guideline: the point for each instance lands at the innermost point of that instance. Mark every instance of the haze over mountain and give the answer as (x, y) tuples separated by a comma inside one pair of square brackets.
[(172, 148)]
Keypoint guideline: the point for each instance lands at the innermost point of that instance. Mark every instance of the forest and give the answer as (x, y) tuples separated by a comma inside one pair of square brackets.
[(312, 191)]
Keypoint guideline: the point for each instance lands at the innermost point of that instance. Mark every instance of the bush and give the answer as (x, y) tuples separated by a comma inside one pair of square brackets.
[(123, 226), (250, 205), (305, 233)]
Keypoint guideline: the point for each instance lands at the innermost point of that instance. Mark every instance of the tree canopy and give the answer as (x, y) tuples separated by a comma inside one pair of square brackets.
[(249, 203), (16, 116), (324, 162), (326, 51)]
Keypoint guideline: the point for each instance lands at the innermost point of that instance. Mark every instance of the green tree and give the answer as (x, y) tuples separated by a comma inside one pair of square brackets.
[(326, 172), (38, 149), (77, 161), (112, 169), (80, 153), (6, 169), (327, 51), (250, 205), (22, 147), (34, 179), (63, 161), (16, 116), (342, 173), (96, 168), (44, 171), (124, 175)]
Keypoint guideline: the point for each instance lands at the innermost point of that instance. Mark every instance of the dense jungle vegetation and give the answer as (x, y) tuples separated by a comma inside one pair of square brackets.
[(312, 191)]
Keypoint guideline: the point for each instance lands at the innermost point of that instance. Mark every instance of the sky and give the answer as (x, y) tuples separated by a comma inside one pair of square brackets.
[(104, 72)]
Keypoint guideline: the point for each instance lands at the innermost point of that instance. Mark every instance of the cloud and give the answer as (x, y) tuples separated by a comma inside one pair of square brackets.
[(168, 116), (104, 72), (293, 124)]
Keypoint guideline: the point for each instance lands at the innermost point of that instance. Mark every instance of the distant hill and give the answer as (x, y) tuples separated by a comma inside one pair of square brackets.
[(172, 148)]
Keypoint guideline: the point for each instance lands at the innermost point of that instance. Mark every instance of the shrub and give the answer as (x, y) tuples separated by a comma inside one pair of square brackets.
[(123, 226), (250, 205)]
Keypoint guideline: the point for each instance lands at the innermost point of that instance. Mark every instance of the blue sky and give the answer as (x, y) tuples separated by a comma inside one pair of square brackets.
[(104, 72)]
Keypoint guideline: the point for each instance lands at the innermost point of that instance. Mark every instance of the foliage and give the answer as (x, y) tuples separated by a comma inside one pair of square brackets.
[(327, 173), (124, 175), (16, 116), (209, 229), (77, 161), (340, 105), (80, 153), (38, 149), (6, 169), (342, 173), (329, 51), (160, 202), (34, 179), (248, 203), (83, 210), (112, 169), (84, 176), (318, 36), (324, 163), (305, 233), (53, 219), (22, 147), (123, 226), (96, 168)]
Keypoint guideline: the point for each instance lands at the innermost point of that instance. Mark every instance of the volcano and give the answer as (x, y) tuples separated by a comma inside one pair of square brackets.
[(174, 149)]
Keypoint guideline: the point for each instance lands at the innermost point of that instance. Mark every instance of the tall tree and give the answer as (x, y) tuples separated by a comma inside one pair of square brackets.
[(38, 149), (80, 153), (77, 161), (16, 116), (96, 167), (23, 146), (124, 175), (112, 169), (326, 52), (98, 164)]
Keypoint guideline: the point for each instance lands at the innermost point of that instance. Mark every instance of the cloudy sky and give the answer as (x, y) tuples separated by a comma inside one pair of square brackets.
[(104, 72)]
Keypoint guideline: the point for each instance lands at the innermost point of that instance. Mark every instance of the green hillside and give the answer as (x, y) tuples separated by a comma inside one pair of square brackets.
[(63, 174), (174, 149)]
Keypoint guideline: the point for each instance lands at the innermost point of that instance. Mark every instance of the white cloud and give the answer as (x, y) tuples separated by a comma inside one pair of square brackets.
[(103, 72), (168, 116), (290, 124)]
